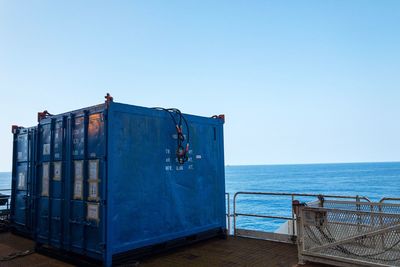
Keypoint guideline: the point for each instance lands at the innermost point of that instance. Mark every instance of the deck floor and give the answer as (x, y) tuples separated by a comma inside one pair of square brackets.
[(215, 252), (238, 251), (10, 244)]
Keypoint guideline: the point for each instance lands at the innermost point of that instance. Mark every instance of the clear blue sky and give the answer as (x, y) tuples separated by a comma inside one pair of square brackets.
[(299, 81)]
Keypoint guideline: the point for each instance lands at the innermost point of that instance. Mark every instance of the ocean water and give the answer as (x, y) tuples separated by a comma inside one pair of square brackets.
[(5, 182), (373, 180)]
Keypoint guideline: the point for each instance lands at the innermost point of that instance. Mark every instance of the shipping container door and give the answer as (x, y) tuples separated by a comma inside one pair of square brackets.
[(86, 201), (57, 182), (95, 184), (77, 220), (22, 180), (51, 181)]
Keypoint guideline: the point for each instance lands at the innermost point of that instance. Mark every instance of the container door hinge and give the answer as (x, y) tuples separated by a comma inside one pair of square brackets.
[(104, 202), (103, 246)]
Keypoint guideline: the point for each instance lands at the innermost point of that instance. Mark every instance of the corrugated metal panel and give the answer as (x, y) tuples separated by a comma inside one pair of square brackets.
[(153, 198)]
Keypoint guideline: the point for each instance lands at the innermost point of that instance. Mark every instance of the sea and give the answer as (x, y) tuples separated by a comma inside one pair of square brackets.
[(372, 180)]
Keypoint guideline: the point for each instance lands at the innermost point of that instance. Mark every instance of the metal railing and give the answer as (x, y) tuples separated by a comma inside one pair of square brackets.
[(5, 198), (288, 238), (4, 206), (235, 214), (350, 233)]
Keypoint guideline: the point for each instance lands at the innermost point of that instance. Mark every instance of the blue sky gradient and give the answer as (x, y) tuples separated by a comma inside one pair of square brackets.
[(299, 81)]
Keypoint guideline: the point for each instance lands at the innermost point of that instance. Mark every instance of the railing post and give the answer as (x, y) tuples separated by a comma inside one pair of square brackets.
[(300, 236), (229, 215), (358, 206), (381, 223), (294, 219), (234, 214)]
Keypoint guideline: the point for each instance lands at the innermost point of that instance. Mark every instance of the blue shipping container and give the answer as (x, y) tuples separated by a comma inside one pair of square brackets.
[(108, 180)]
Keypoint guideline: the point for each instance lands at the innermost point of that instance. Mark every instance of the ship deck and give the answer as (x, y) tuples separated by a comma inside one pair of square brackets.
[(234, 251)]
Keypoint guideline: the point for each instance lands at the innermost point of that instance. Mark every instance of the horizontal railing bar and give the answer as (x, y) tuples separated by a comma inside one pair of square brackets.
[(264, 216), (355, 224), (338, 259), (299, 195), (389, 198), (356, 212), (374, 204)]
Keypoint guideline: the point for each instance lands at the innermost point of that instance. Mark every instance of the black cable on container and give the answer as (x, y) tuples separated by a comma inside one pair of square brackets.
[(182, 151)]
